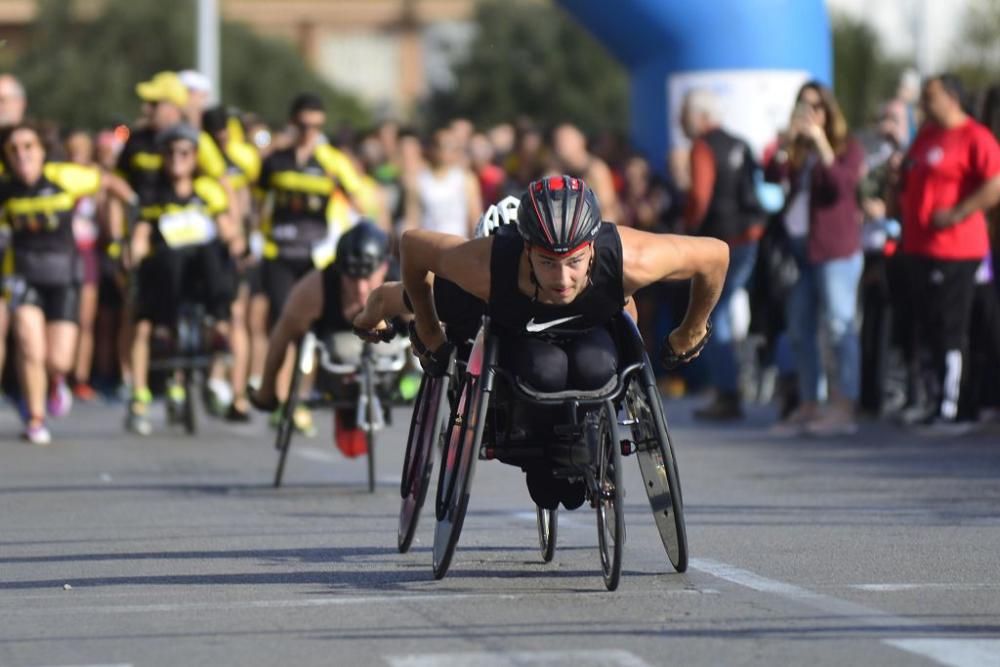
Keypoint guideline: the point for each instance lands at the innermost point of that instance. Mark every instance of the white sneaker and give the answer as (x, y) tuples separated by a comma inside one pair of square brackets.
[(37, 434)]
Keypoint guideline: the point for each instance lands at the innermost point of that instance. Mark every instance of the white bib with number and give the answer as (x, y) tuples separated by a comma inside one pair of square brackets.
[(187, 227)]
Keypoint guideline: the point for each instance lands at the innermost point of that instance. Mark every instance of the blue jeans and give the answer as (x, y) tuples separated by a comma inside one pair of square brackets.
[(720, 352), (827, 290)]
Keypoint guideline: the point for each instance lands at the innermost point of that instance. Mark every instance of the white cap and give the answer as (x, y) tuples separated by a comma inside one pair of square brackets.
[(195, 81)]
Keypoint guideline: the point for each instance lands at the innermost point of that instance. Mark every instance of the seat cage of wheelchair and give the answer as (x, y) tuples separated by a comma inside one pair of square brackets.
[(483, 361), (190, 349)]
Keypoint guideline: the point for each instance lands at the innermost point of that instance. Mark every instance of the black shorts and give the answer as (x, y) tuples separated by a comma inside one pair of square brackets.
[(278, 277), (202, 274), (59, 303), (253, 278)]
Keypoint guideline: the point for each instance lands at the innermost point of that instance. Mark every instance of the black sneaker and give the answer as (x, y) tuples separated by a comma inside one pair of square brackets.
[(543, 488), (234, 414)]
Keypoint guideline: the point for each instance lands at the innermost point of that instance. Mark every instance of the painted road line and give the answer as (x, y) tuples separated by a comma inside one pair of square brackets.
[(175, 607), (820, 601), (895, 588), (953, 652), (612, 658)]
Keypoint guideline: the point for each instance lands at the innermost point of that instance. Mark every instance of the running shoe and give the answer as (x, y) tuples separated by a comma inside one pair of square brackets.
[(37, 434), (60, 398), (84, 392), (303, 420)]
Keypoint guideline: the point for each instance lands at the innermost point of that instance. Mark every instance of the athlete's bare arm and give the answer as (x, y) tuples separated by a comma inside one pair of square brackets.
[(649, 258), (303, 307), (465, 263)]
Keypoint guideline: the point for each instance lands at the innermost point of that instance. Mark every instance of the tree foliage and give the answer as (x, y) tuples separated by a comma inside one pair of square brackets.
[(977, 53), (863, 75), (83, 74), (530, 58)]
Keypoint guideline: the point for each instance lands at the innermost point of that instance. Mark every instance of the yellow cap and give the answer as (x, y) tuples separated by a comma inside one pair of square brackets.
[(163, 87)]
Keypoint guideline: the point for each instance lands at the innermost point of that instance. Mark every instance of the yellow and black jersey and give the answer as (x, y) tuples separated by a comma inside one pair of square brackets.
[(302, 203), (38, 219), (243, 164), (181, 221), (141, 160)]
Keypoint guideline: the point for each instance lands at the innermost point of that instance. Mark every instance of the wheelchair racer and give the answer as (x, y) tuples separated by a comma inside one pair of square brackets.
[(326, 301), (183, 249), (551, 292)]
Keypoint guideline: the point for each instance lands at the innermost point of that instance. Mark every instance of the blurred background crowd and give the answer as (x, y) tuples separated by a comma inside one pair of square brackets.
[(447, 107)]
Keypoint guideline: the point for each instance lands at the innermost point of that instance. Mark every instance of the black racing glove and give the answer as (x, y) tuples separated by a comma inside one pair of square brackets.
[(377, 335), (672, 360), (434, 363)]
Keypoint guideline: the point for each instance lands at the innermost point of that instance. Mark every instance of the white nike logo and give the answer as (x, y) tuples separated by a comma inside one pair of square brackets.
[(534, 327)]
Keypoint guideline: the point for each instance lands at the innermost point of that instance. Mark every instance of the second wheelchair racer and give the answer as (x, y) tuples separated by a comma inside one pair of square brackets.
[(327, 301)]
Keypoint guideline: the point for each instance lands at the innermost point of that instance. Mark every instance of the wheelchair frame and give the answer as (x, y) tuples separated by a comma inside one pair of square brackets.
[(373, 409), (630, 405)]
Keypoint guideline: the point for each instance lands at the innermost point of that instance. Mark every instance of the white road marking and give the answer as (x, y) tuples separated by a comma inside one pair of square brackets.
[(824, 603), (894, 588), (611, 658), (265, 604), (953, 652), (313, 454), (117, 664)]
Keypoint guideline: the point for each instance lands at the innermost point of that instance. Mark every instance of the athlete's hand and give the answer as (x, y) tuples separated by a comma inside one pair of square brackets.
[(944, 218), (432, 348), (685, 344), (381, 332)]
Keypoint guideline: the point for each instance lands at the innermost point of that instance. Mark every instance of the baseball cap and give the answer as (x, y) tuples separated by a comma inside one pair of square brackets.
[(195, 81), (163, 87)]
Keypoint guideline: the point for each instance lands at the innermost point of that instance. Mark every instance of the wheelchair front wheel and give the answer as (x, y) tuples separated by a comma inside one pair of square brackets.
[(548, 524)]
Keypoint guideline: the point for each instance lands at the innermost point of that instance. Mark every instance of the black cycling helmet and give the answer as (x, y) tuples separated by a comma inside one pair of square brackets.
[(178, 132), (559, 214), (362, 250)]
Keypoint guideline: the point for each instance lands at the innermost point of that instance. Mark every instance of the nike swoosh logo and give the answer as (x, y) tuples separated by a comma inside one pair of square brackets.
[(535, 327)]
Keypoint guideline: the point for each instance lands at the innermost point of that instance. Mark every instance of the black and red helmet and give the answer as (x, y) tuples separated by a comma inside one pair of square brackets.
[(559, 214)]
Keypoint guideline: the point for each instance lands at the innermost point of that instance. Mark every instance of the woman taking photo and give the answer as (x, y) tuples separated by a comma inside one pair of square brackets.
[(37, 205), (822, 165)]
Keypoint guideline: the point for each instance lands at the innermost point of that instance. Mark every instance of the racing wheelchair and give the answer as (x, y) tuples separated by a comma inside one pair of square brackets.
[(351, 374), (623, 418), (184, 353)]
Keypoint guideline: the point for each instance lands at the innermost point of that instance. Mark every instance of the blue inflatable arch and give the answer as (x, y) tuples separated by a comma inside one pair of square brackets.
[(753, 53)]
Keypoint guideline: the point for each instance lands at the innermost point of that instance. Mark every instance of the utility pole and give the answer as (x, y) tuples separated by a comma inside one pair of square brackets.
[(207, 29)]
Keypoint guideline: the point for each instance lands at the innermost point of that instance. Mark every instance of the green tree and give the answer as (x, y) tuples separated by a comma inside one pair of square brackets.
[(530, 58), (977, 52), (863, 76), (83, 74)]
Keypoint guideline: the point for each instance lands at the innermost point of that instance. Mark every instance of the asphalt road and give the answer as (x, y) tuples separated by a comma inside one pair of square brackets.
[(882, 549)]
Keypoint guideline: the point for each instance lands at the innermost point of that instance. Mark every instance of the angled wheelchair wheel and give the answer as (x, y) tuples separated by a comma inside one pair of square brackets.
[(430, 411), (286, 423), (610, 502), (458, 462), (548, 523), (655, 453)]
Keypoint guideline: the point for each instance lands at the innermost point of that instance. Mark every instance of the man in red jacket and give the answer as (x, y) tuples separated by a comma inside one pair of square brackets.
[(950, 175)]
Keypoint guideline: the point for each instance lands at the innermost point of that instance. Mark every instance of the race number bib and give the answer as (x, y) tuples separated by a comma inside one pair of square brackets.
[(186, 228)]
